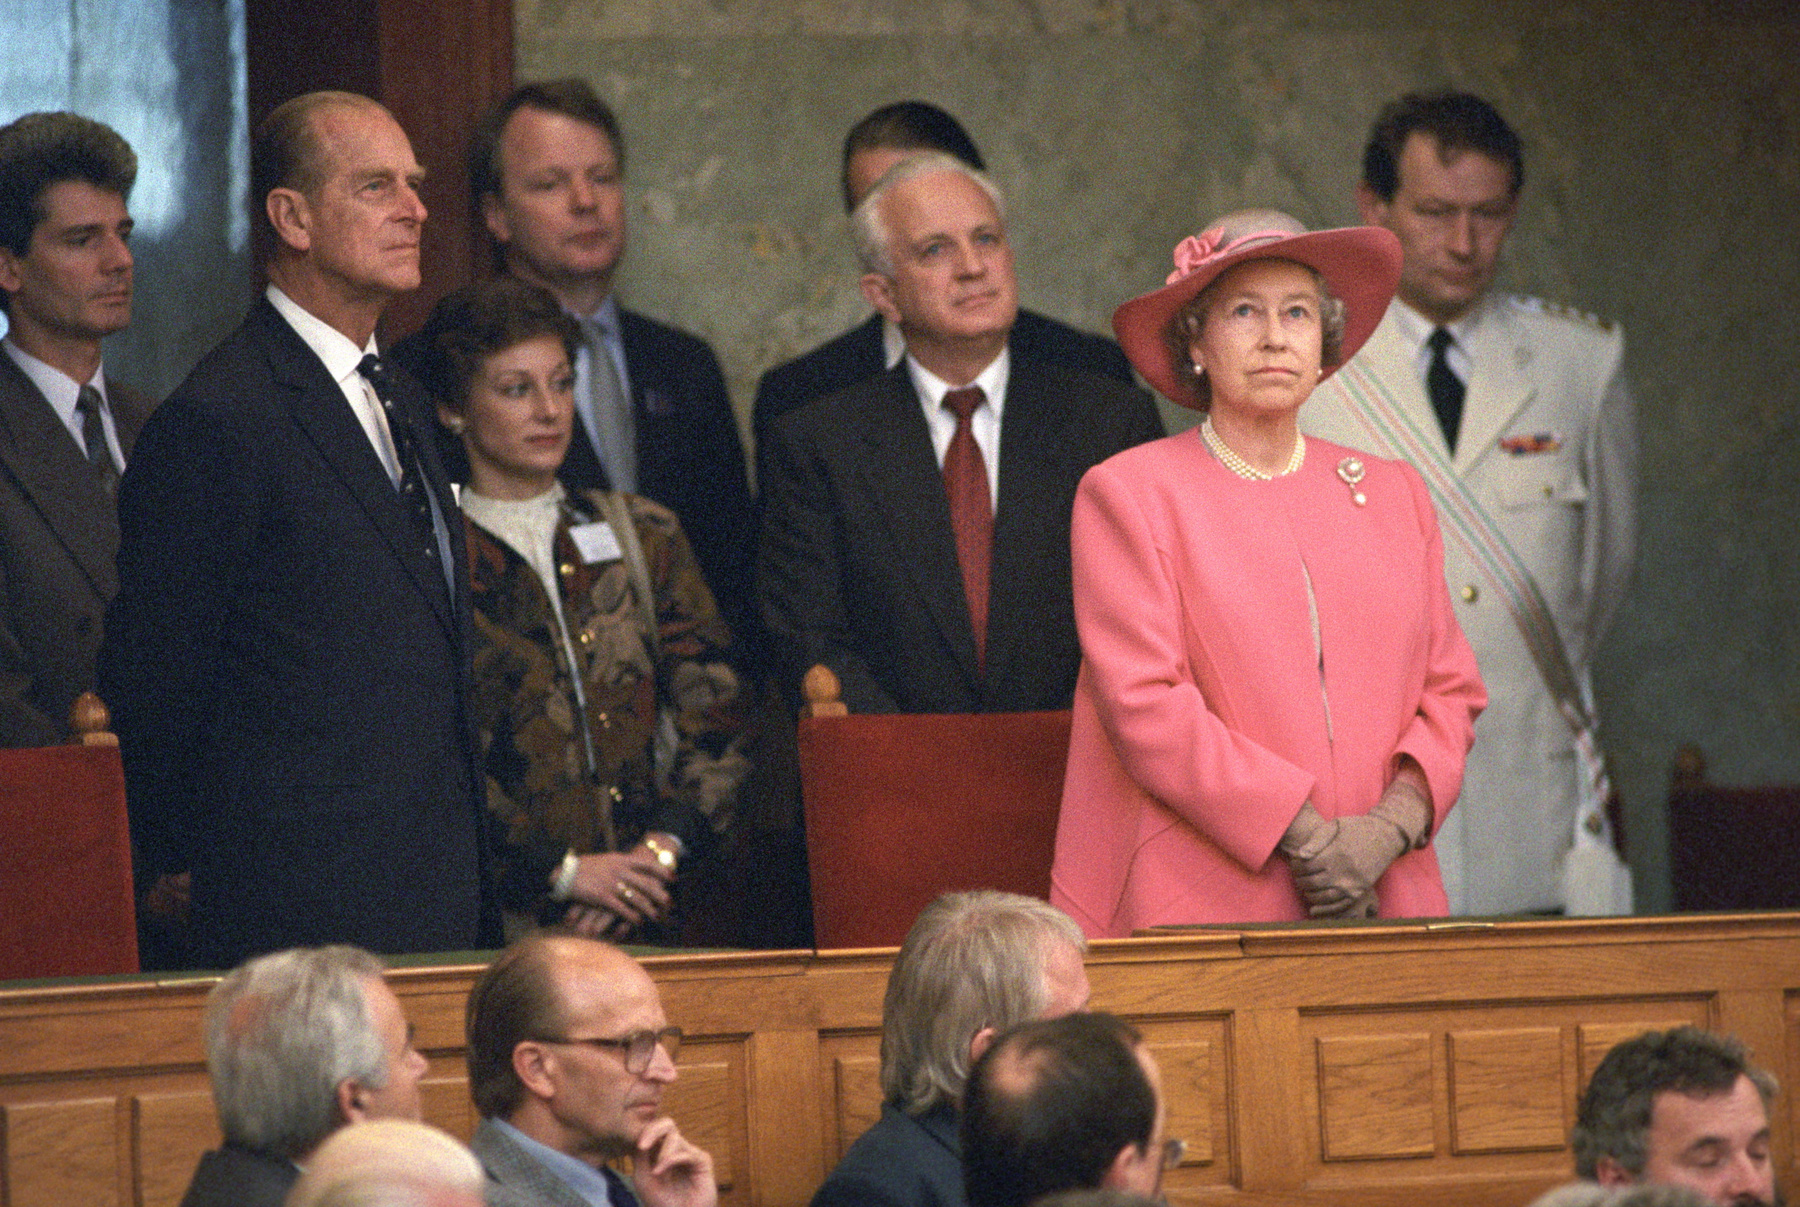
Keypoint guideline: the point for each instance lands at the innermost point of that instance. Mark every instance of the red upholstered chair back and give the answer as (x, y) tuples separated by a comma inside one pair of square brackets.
[(65, 864), (902, 808), (1731, 848)]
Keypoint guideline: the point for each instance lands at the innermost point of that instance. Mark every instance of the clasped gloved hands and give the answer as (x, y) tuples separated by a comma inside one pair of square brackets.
[(1336, 861)]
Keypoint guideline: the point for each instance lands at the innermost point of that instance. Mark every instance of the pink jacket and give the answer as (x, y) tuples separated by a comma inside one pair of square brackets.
[(1205, 714)]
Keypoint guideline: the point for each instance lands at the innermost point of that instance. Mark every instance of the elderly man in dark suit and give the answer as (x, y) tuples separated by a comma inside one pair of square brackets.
[(875, 144), (652, 415), (569, 1052), (65, 427), (916, 526), (287, 656)]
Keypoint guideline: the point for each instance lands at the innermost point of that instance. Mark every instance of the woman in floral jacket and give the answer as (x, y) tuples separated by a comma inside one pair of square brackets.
[(609, 708)]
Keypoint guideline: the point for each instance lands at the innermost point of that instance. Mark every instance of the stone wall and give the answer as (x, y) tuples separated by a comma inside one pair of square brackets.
[(1663, 189)]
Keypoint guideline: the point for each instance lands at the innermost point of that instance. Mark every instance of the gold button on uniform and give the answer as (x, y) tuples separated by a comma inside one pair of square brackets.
[(1470, 593), (567, 569)]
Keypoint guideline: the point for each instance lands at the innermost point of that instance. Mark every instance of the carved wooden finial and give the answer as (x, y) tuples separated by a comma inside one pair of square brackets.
[(91, 721), (822, 693)]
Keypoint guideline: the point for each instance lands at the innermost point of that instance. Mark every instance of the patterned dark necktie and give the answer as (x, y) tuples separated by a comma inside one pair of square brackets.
[(406, 451), (93, 434), (1444, 386), (971, 509)]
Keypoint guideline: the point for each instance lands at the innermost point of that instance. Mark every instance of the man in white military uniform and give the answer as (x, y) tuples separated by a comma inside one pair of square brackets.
[(1518, 416)]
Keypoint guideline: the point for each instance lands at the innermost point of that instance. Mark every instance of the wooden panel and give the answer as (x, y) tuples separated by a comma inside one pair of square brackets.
[(1506, 1090), (1190, 1090), (1375, 1097), (168, 1134), (60, 1153), (858, 1086), (708, 1100), (445, 1099), (1309, 1067)]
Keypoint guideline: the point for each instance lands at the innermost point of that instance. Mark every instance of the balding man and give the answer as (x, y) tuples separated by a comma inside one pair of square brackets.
[(1063, 1104), (298, 1044), (973, 963), (569, 1053), (390, 1163), (287, 658), (916, 525)]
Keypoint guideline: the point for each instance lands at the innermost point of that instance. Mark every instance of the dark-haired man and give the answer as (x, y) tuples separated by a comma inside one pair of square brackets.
[(1067, 1104), (1683, 1107), (287, 657), (873, 145), (569, 1053), (1517, 415), (652, 416), (65, 427)]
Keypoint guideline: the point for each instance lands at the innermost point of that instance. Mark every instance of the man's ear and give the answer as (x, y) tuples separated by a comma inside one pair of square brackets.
[(1126, 1171), (1609, 1173), (11, 280), (879, 290), (349, 1099), (291, 216), (1369, 204), (979, 1042), (493, 216), (532, 1066)]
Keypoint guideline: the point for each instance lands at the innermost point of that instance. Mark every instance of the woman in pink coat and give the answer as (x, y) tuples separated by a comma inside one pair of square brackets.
[(1275, 700)]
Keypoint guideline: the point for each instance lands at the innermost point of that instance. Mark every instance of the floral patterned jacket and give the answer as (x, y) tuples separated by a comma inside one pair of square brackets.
[(543, 799)]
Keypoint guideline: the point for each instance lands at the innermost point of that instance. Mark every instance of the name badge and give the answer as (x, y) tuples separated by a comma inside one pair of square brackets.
[(596, 542)]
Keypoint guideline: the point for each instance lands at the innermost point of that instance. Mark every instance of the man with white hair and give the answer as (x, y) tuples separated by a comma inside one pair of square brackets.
[(298, 1044), (390, 1163), (916, 525), (973, 964)]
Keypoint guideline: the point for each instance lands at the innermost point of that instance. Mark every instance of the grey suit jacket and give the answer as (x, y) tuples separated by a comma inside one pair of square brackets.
[(517, 1179), (59, 533)]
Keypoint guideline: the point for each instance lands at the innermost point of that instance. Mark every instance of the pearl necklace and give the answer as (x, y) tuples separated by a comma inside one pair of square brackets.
[(1243, 468)]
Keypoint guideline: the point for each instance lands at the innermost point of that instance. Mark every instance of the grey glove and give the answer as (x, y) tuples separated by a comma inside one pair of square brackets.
[(1337, 876)]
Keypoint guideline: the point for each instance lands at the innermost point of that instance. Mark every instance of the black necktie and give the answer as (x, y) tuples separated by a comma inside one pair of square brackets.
[(406, 451), (93, 434), (1445, 387)]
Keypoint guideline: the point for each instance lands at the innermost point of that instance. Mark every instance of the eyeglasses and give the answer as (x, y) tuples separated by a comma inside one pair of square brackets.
[(638, 1048), (1173, 1153)]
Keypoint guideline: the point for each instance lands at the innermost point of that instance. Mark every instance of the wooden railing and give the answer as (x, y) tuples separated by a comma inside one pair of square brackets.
[(1353, 1066)]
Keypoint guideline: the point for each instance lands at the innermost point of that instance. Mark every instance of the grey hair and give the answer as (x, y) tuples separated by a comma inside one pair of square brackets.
[(388, 1163), (283, 1031), (971, 960), (1613, 1117), (868, 226), (1650, 1194)]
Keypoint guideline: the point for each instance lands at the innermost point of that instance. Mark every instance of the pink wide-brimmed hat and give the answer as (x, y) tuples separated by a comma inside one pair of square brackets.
[(1360, 264)]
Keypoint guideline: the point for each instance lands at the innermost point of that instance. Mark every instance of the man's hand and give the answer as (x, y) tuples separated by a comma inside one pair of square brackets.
[(668, 1171)]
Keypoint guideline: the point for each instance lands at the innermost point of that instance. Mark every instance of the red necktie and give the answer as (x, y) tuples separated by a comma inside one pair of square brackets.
[(971, 509)]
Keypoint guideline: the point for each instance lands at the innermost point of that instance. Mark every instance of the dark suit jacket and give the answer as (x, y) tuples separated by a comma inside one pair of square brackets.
[(288, 669), (858, 566), (237, 1177), (857, 355), (518, 1179), (902, 1161), (59, 533)]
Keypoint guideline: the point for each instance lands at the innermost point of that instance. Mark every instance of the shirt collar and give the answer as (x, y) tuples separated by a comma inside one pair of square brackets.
[(1416, 328), (340, 354), (893, 343), (931, 388), (57, 387), (605, 316)]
